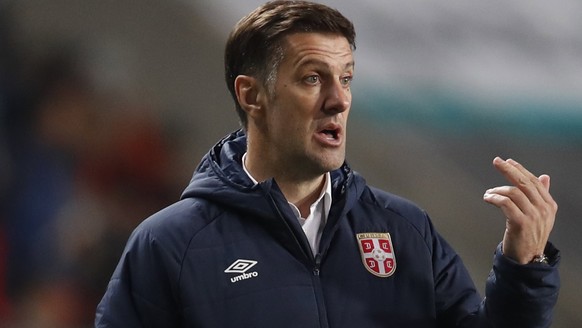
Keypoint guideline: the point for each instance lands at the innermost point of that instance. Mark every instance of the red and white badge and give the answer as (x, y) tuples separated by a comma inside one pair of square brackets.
[(377, 253)]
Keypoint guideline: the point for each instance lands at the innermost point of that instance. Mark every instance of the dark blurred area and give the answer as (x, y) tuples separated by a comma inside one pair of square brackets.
[(83, 161), (107, 106)]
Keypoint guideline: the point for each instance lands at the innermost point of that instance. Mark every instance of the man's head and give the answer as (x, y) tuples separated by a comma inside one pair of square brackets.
[(255, 47)]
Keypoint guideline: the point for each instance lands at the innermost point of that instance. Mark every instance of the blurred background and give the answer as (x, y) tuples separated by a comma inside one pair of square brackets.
[(107, 106)]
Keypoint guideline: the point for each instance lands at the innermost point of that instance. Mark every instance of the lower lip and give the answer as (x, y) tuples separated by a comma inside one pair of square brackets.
[(328, 141)]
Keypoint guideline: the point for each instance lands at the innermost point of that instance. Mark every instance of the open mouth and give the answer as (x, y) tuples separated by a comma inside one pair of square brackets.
[(330, 133)]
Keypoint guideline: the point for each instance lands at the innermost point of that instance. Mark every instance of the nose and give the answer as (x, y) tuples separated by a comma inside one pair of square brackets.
[(338, 97)]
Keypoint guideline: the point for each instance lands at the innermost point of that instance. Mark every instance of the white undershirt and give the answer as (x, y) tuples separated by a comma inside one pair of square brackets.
[(318, 211)]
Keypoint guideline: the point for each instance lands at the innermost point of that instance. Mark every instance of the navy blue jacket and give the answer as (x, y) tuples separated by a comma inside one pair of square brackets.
[(230, 254)]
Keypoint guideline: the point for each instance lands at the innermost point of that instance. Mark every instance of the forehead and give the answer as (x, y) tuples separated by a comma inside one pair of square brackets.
[(306, 48)]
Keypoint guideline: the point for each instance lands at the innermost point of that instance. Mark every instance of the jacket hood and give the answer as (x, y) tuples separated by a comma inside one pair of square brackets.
[(220, 178)]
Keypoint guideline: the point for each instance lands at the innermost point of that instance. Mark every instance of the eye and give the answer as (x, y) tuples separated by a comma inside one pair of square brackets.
[(312, 79), (346, 80)]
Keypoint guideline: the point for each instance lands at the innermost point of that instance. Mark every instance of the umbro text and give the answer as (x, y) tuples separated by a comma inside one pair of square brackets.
[(244, 276)]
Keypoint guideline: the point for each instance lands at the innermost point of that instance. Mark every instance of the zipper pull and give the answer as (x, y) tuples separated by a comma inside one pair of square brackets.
[(317, 264)]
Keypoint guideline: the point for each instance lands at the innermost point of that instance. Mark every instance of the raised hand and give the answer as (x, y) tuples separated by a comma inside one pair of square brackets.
[(529, 209)]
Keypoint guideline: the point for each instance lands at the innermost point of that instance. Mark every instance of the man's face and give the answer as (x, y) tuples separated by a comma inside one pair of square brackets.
[(307, 113)]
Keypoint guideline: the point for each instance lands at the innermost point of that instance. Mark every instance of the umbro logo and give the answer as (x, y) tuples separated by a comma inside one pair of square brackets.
[(242, 266)]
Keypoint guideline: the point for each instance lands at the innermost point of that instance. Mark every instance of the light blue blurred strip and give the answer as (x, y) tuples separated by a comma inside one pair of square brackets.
[(461, 114)]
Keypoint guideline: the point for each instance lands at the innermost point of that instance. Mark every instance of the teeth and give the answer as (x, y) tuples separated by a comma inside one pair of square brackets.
[(330, 133)]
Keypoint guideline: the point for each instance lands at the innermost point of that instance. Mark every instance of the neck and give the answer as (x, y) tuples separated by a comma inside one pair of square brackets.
[(297, 187), (302, 195)]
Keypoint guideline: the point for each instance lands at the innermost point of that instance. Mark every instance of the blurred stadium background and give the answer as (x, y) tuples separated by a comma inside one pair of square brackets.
[(107, 106)]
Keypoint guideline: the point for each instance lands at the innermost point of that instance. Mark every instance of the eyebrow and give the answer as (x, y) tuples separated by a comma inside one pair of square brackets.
[(314, 61)]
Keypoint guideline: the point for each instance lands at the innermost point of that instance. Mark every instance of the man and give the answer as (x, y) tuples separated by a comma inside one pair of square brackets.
[(276, 230)]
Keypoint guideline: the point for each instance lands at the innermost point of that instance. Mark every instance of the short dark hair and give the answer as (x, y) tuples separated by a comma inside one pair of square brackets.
[(255, 45)]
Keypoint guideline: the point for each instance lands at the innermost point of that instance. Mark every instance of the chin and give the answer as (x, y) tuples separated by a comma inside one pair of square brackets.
[(332, 164), (324, 161)]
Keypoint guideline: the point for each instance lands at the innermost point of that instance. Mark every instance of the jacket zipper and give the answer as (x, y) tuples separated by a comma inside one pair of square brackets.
[(318, 291), (316, 260)]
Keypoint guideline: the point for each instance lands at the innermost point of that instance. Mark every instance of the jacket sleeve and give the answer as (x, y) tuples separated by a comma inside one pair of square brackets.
[(457, 301), (516, 295), (522, 295), (141, 293)]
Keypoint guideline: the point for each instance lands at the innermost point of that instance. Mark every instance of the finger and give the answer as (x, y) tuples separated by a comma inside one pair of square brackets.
[(509, 170), (520, 177), (514, 195), (542, 183), (524, 176), (504, 203), (545, 180)]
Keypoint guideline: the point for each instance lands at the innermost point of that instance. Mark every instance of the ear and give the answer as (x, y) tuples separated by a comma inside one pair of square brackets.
[(249, 93)]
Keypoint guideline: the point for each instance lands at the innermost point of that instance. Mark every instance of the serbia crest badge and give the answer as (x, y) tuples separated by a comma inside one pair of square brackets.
[(377, 253)]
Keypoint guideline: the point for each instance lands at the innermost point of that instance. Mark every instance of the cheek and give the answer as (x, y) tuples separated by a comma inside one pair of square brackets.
[(291, 113), (281, 125), (287, 116), (287, 126)]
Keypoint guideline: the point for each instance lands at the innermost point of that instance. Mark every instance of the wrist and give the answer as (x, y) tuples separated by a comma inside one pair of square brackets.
[(542, 258), (539, 257)]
